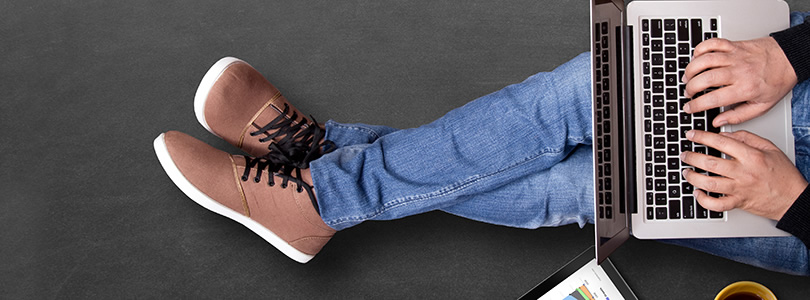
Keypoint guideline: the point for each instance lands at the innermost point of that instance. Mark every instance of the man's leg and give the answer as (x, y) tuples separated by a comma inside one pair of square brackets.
[(521, 130)]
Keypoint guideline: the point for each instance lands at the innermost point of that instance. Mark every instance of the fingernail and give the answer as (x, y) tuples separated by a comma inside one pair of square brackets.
[(690, 134), (684, 172), (686, 108), (682, 156), (683, 78)]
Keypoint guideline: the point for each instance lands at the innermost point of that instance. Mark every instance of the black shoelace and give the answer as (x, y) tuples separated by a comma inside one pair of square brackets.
[(278, 165), (299, 141), (299, 145)]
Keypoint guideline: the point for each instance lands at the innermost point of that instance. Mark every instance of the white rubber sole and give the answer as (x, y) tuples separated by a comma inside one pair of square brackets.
[(207, 83), (202, 199)]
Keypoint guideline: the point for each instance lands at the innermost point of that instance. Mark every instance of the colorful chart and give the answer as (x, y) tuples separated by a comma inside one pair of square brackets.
[(581, 293)]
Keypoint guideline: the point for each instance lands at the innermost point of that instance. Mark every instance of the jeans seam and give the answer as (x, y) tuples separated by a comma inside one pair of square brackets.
[(404, 201), (366, 130)]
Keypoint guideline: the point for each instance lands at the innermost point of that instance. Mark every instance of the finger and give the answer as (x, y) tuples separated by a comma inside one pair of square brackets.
[(710, 78), (715, 184), (707, 61), (709, 163), (740, 113), (720, 97), (715, 204), (724, 144), (713, 45)]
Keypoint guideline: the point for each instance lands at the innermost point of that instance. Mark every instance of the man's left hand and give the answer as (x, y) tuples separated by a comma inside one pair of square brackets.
[(756, 177)]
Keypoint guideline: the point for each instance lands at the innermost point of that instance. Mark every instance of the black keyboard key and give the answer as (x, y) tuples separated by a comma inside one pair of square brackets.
[(647, 123), (609, 212), (660, 157), (672, 135), (660, 171), (650, 213), (688, 207), (648, 140), (645, 25), (673, 164), (674, 192), (649, 184), (673, 149), (650, 198), (657, 46), (715, 214), (683, 48), (608, 184), (658, 73), (700, 124), (601, 212), (660, 213), (713, 23), (672, 121), (646, 68), (670, 39), (660, 199), (648, 154), (671, 66), (672, 82), (604, 28), (645, 53), (686, 118), (669, 24), (660, 185), (657, 59), (658, 114), (686, 145), (658, 101), (656, 28), (658, 86), (673, 178), (648, 169), (659, 143), (687, 189), (697, 32), (672, 94), (607, 155), (672, 108), (608, 198), (674, 209), (683, 62), (683, 30)]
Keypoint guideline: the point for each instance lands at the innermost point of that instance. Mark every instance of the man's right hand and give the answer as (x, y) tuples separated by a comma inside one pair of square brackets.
[(755, 74)]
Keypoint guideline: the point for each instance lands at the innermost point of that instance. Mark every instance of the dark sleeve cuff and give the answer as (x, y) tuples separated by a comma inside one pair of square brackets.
[(795, 42), (796, 220)]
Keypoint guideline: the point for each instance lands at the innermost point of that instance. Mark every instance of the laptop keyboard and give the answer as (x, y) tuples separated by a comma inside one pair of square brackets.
[(667, 45), (605, 165)]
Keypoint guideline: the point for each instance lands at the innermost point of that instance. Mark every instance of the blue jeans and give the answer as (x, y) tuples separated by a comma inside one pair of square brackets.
[(519, 157)]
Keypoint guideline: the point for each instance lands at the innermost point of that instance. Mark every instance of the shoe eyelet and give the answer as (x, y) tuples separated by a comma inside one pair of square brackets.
[(283, 186), (299, 189), (271, 183), (244, 178), (256, 179)]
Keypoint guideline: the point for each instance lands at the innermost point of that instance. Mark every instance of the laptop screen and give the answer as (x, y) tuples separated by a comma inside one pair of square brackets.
[(612, 173)]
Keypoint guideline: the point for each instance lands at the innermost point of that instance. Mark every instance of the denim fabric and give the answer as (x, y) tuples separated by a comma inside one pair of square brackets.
[(519, 157)]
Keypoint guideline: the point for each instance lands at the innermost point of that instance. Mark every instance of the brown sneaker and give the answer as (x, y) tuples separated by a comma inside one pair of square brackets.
[(236, 103), (277, 202)]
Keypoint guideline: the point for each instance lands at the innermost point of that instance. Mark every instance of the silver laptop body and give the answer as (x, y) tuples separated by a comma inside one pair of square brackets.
[(638, 124)]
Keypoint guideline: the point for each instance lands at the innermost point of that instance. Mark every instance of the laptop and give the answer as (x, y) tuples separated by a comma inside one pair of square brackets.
[(639, 52)]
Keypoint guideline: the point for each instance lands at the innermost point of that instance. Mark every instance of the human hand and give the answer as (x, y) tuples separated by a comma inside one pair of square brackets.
[(756, 74), (757, 177)]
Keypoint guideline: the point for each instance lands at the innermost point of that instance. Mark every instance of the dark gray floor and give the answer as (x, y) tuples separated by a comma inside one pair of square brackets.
[(87, 212)]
